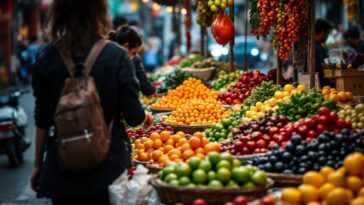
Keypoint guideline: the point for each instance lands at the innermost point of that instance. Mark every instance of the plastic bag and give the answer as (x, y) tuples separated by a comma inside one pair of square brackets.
[(135, 191)]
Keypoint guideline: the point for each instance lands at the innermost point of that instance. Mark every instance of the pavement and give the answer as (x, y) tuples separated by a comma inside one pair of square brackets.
[(14, 182)]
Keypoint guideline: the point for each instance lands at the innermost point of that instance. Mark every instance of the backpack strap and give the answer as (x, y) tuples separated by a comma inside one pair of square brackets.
[(90, 60)]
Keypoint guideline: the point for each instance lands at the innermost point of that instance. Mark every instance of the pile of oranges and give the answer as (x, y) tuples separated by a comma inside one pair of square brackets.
[(338, 96), (197, 112), (190, 89), (166, 147), (343, 186)]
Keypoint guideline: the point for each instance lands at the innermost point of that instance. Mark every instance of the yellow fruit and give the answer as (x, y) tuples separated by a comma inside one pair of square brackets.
[(326, 171), (309, 193), (253, 109), (258, 105), (325, 190), (358, 201), (354, 163), (301, 87), (334, 97), (291, 196), (338, 196), (278, 95), (288, 87), (337, 178), (286, 94), (349, 95), (354, 183), (313, 178), (361, 192), (342, 96), (314, 203)]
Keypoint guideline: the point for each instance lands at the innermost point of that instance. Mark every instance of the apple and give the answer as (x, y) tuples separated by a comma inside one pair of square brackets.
[(267, 138), (241, 200), (273, 131), (271, 144), (302, 130), (320, 128), (261, 143), (251, 145), (324, 111), (238, 145), (245, 151), (323, 119), (312, 134), (333, 117), (199, 202), (257, 136)]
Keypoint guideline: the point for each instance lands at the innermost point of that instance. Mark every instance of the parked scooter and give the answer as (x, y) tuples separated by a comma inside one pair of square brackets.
[(13, 121)]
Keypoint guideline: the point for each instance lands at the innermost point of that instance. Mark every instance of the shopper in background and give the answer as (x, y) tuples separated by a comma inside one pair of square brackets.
[(72, 28), (352, 38), (322, 31), (130, 39), (119, 21)]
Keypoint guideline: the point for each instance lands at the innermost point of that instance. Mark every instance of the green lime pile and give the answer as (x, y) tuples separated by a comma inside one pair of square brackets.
[(215, 171), (223, 130), (225, 80)]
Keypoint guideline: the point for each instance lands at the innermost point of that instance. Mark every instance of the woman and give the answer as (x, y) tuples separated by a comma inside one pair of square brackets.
[(72, 28), (129, 38)]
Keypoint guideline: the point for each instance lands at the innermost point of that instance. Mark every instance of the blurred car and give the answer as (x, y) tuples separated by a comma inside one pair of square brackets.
[(221, 53)]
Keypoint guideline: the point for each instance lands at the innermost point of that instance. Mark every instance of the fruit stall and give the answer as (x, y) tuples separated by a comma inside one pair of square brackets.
[(246, 137)]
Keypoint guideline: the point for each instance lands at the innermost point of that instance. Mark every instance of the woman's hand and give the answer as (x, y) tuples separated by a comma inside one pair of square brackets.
[(148, 120), (34, 179)]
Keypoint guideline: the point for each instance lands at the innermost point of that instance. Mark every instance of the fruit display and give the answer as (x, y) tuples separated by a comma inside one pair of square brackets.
[(210, 63), (288, 18), (188, 62), (257, 136), (173, 80), (337, 96), (148, 100), (215, 171), (241, 200), (166, 147), (343, 186), (224, 80), (197, 112), (238, 92), (258, 110), (299, 156), (217, 5), (222, 131), (223, 28), (355, 115), (272, 75), (137, 133), (205, 16), (262, 93), (191, 88), (304, 104)]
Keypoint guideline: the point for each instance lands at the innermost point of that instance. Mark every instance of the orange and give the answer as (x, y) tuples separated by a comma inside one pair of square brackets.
[(326, 171), (157, 154), (325, 190), (140, 146), (200, 150), (199, 155), (291, 196), (212, 147), (309, 193), (174, 152), (185, 147), (143, 139), (182, 134), (165, 135), (154, 136), (205, 141), (326, 91), (148, 144), (313, 178), (163, 159), (169, 142), (168, 148), (143, 156), (349, 95), (173, 157), (354, 163), (361, 192), (195, 142), (182, 141), (334, 97), (198, 134), (342, 96), (188, 154), (176, 138), (161, 149), (338, 196), (157, 143), (358, 201), (354, 183), (337, 179)]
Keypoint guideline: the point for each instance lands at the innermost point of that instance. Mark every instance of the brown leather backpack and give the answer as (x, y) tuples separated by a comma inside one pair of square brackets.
[(83, 139)]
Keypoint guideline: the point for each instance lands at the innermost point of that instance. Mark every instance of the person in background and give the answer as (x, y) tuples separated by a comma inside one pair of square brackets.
[(119, 21), (72, 28), (352, 38), (130, 39), (322, 31)]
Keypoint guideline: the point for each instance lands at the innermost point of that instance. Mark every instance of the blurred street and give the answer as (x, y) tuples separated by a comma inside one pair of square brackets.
[(14, 182)]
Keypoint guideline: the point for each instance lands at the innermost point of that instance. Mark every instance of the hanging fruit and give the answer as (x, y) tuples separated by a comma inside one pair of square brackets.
[(351, 9), (223, 29), (217, 5), (205, 16)]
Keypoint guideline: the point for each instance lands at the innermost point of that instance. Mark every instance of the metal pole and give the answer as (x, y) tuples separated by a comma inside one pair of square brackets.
[(232, 42), (203, 41), (279, 71), (246, 63), (312, 54)]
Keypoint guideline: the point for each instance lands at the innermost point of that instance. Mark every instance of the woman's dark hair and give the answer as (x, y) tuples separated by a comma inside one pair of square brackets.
[(71, 24), (126, 34), (322, 26), (352, 32)]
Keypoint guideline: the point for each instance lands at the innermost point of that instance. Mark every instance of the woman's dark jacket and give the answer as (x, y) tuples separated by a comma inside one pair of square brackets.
[(118, 90), (145, 85)]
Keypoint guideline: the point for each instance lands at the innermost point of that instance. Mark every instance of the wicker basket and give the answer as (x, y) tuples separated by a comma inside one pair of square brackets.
[(203, 73), (153, 168), (160, 110), (169, 194), (284, 180), (249, 157), (188, 129), (136, 162)]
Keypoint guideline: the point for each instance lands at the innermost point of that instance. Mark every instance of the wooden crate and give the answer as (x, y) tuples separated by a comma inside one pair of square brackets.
[(347, 80)]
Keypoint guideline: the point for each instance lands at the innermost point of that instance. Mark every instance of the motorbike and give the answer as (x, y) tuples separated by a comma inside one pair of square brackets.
[(13, 121)]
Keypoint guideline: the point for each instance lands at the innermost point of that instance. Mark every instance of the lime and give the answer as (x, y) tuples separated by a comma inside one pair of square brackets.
[(223, 135), (217, 135), (223, 164), (199, 176), (170, 177), (259, 178), (183, 169), (205, 165), (235, 123), (192, 185), (168, 170), (236, 163), (211, 175), (215, 184), (232, 184), (249, 185), (225, 123), (214, 158), (219, 127), (184, 181), (194, 162), (230, 127), (174, 182), (226, 156), (161, 175), (240, 175), (223, 174)]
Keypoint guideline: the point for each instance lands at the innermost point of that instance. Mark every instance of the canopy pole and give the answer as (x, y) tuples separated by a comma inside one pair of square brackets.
[(312, 60), (232, 41)]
